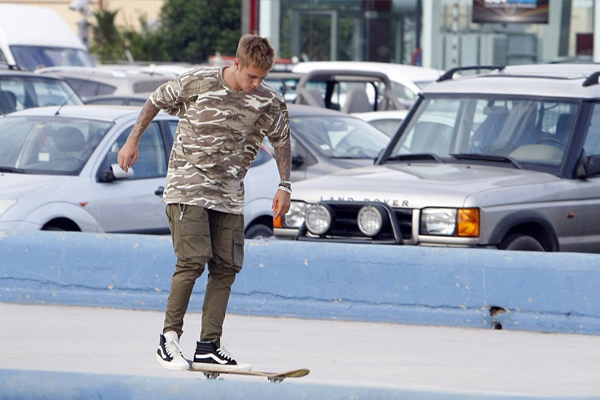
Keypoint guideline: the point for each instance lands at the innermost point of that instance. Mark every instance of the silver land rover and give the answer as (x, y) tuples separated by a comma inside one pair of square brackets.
[(506, 159)]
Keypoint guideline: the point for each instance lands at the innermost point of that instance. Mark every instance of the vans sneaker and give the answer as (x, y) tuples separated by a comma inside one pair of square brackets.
[(209, 356), (169, 353)]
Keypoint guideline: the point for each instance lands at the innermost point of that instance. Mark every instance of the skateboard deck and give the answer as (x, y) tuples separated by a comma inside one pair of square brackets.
[(271, 376)]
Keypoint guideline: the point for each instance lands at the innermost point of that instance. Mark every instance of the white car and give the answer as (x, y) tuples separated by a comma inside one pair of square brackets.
[(407, 80), (58, 171)]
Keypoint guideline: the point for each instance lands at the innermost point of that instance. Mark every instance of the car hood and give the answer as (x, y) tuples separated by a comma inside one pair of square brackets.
[(428, 185), (16, 186)]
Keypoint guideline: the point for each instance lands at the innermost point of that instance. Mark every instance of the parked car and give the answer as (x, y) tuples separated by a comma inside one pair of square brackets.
[(20, 90), (387, 122), (325, 141), (347, 91), (407, 80), (116, 100), (507, 159), (59, 172), (96, 81)]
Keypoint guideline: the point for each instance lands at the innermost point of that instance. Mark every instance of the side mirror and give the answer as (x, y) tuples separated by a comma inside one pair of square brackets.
[(297, 160), (588, 166), (118, 173)]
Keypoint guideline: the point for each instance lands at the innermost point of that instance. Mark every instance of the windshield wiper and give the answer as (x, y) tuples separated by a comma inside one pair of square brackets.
[(415, 157), (12, 169), (487, 157)]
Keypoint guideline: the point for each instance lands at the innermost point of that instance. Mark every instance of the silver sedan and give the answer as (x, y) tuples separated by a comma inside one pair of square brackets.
[(58, 171)]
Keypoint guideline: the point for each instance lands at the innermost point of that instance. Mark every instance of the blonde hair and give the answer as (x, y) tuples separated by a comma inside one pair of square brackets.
[(255, 51)]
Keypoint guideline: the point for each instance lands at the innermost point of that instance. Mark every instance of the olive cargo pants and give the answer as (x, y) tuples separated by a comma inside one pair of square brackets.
[(200, 237)]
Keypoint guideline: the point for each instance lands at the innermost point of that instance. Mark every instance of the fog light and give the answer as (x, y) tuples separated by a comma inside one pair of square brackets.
[(318, 219), (370, 220)]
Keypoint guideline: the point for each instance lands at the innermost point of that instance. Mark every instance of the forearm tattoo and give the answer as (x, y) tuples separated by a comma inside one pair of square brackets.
[(283, 156), (147, 114)]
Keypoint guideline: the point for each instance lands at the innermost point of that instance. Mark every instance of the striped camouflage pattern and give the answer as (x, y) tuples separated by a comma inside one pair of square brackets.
[(219, 134)]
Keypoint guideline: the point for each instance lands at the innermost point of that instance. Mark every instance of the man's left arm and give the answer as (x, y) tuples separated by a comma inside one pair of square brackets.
[(281, 200)]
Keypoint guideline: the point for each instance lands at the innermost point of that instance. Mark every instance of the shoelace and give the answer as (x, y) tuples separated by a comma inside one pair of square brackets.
[(173, 349), (224, 353)]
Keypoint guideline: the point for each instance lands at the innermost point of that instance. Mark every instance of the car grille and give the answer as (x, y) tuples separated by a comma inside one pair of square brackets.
[(396, 230)]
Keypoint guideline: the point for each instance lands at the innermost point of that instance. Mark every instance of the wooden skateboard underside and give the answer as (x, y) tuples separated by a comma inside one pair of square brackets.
[(271, 376)]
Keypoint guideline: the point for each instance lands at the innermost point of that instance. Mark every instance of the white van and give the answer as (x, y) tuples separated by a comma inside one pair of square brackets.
[(34, 37)]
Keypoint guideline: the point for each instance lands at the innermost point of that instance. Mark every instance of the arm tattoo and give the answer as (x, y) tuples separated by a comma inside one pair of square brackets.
[(147, 114), (283, 156)]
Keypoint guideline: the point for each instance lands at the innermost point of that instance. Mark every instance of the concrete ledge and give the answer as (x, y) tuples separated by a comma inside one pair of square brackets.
[(44, 385), (553, 292)]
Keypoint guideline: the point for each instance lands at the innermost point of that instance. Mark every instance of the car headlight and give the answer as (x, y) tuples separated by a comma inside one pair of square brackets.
[(370, 220), (318, 219), (5, 204), (462, 222), (294, 217)]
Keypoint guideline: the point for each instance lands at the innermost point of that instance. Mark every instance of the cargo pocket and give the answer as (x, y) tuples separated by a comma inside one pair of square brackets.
[(238, 250)]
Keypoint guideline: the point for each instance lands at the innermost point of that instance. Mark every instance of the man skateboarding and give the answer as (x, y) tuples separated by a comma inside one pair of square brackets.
[(225, 113)]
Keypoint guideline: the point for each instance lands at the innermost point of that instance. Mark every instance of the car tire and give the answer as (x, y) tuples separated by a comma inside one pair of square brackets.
[(520, 242), (53, 228), (258, 231)]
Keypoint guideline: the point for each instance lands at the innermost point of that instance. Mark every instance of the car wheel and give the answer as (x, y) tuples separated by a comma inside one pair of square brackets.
[(521, 243), (258, 231), (53, 228)]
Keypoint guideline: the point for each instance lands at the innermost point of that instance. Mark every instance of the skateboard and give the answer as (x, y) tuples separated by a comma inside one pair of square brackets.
[(271, 376)]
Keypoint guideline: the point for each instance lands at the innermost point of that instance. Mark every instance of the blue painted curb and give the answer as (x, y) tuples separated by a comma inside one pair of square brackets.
[(44, 385), (553, 292)]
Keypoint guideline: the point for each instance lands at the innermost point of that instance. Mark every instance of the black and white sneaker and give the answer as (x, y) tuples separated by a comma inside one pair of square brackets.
[(169, 354), (209, 356)]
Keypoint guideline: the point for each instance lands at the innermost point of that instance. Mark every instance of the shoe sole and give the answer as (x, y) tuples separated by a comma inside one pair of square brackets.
[(171, 366), (219, 367)]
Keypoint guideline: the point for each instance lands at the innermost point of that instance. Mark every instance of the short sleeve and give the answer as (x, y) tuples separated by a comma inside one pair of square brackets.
[(279, 131)]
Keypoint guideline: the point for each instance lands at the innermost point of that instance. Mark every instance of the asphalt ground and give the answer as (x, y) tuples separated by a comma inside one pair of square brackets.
[(418, 358)]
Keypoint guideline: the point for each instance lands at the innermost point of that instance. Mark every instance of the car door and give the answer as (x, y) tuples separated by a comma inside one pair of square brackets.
[(134, 205), (588, 226)]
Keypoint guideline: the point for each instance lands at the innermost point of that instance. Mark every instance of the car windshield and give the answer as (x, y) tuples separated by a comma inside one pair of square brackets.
[(340, 137), (35, 57), (49, 145), (20, 92), (524, 133)]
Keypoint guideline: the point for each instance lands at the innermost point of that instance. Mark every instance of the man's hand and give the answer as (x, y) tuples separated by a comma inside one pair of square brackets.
[(281, 204), (128, 155)]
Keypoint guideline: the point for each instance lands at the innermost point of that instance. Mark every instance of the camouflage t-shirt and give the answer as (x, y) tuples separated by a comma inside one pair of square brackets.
[(219, 134)]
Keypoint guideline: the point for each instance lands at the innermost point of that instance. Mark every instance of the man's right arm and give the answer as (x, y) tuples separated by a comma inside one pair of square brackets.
[(129, 152)]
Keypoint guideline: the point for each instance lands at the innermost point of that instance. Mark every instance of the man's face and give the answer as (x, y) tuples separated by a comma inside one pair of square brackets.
[(250, 77)]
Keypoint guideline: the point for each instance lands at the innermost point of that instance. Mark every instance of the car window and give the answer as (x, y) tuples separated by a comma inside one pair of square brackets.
[(172, 128), (37, 92), (592, 141), (387, 126), (48, 146), (340, 137), (151, 162), (402, 92), (87, 88), (34, 57), (533, 132)]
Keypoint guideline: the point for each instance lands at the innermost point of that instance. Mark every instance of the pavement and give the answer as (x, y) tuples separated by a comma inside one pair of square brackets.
[(408, 357)]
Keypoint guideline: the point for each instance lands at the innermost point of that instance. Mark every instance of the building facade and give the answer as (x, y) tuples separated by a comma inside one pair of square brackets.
[(433, 33)]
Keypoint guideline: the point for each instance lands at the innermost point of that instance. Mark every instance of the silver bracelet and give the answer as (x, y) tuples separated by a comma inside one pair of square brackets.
[(285, 189), (288, 183)]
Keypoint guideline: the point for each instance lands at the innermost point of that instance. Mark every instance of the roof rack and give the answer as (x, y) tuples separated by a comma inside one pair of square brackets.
[(450, 73), (592, 79)]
